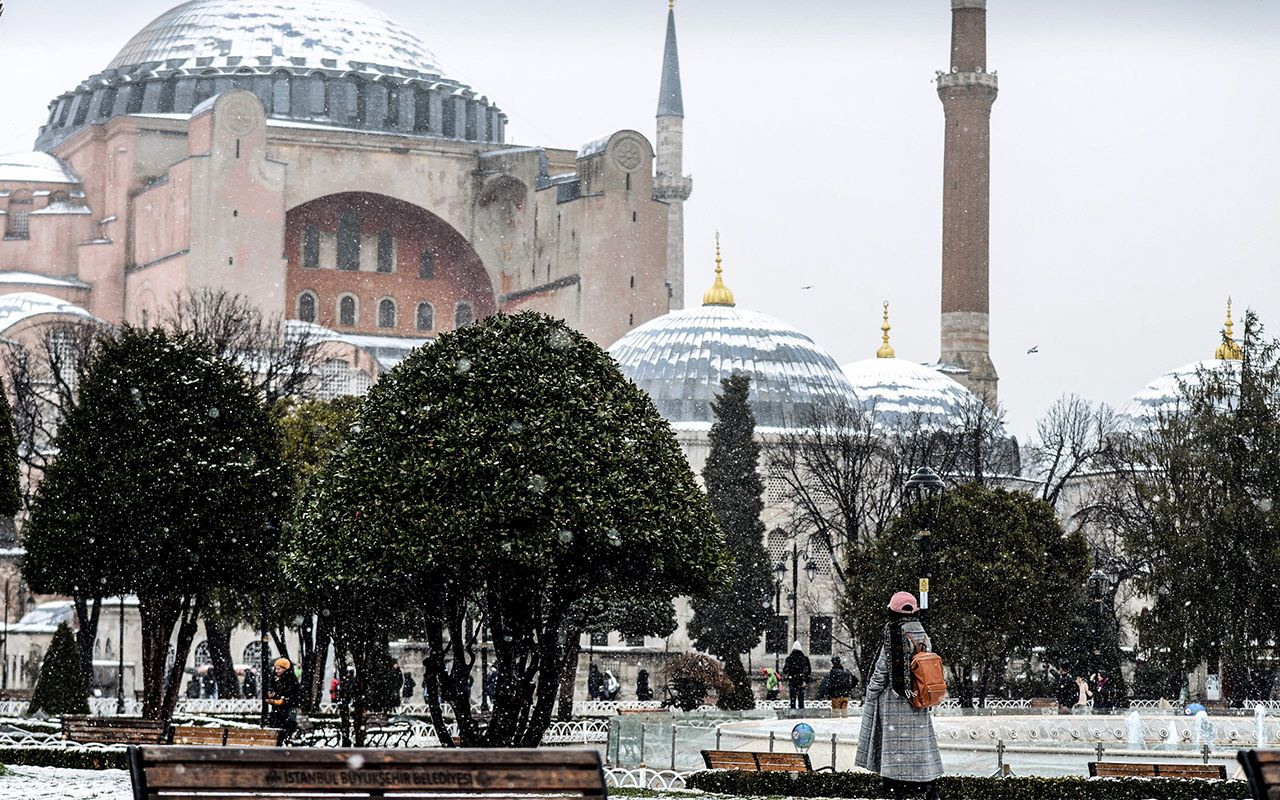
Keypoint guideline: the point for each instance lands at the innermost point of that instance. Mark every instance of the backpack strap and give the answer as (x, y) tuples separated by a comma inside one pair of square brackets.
[(918, 648)]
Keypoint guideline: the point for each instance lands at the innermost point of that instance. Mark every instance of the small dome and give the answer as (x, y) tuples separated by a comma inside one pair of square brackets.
[(296, 32), (680, 358), (1164, 395), (899, 391), (36, 167)]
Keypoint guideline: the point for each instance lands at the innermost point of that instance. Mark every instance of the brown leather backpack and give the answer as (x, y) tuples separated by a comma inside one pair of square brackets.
[(928, 683)]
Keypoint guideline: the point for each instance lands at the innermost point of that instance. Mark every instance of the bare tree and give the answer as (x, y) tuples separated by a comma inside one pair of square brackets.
[(1073, 438)]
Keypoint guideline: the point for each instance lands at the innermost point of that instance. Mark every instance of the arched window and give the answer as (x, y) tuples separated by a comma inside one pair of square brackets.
[(349, 242), (463, 315), (387, 313), (426, 317), (347, 310), (386, 251), (307, 307), (252, 655), (778, 549), (202, 654), (136, 92), (427, 264), (311, 246), (421, 110)]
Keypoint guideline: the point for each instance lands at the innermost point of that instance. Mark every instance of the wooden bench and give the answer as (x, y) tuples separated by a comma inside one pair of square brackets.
[(280, 772), (1262, 770), (634, 710), (1128, 769), (1044, 702), (224, 737), (114, 730), (758, 762)]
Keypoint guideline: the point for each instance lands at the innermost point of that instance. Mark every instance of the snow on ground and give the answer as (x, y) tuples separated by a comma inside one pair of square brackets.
[(50, 783)]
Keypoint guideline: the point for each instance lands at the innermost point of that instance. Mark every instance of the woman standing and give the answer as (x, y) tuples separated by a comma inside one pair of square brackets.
[(897, 740)]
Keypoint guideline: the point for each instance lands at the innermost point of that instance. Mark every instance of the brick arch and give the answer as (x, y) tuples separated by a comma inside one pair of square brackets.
[(459, 275)]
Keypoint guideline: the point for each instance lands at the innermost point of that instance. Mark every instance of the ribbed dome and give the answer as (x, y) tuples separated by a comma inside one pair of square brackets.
[(297, 32), (899, 391), (1164, 395), (680, 357)]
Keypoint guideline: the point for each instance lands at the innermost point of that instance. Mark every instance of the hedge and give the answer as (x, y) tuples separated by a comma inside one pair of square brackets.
[(959, 787), (64, 757)]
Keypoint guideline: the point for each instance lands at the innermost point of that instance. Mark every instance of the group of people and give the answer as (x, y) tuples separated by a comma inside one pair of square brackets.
[(204, 684), (1077, 693), (838, 685)]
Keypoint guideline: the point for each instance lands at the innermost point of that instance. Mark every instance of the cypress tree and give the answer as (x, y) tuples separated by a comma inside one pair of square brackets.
[(729, 622), (10, 482), (61, 688)]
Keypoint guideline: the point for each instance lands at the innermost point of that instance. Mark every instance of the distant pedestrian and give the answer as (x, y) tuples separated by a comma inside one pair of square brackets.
[(1103, 699), (643, 690), (1064, 688), (407, 686), (490, 685), (840, 683), (208, 683), (595, 683), (611, 686), (771, 681), (193, 688), (797, 671), (897, 739), (250, 683), (285, 696)]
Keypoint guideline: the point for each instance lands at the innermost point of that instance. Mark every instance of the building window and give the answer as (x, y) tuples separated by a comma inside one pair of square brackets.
[(202, 655), (635, 641), (337, 379), (393, 107), (108, 102), (820, 553), (421, 110), (775, 636), (426, 317), (311, 247), (18, 225), (253, 655), (386, 251), (778, 549), (427, 264), (307, 307), (599, 640), (347, 310), (463, 315), (349, 242), (819, 636), (387, 313)]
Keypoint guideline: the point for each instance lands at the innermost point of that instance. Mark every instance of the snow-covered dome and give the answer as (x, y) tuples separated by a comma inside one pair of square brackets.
[(680, 358), (303, 33), (20, 306), (34, 167), (337, 63)]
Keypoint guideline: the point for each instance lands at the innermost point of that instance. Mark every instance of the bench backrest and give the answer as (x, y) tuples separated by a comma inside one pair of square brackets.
[(1262, 770), (1043, 702), (218, 737), (784, 762), (113, 730), (730, 759), (1128, 769), (339, 772)]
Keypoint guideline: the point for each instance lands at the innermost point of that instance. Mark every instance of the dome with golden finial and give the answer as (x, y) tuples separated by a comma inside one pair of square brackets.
[(680, 358), (1228, 350)]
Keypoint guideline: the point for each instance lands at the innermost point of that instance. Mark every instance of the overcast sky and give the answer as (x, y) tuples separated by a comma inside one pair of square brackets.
[(1135, 176)]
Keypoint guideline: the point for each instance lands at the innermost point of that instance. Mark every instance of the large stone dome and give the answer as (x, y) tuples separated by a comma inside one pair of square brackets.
[(900, 392), (680, 357), (1165, 394), (304, 33), (333, 63)]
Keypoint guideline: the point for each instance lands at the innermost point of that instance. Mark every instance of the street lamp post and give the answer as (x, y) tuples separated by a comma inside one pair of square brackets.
[(120, 671), (779, 572), (484, 658), (924, 490)]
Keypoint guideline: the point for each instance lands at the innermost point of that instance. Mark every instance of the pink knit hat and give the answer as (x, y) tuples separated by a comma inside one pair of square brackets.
[(903, 603)]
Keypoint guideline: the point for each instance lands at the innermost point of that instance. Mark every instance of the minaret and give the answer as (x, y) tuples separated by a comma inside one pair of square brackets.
[(886, 350), (967, 92), (1229, 350), (671, 185)]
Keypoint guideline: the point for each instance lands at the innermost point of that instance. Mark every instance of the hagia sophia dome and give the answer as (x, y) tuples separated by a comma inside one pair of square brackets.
[(680, 358), (340, 63), (901, 392), (1165, 394)]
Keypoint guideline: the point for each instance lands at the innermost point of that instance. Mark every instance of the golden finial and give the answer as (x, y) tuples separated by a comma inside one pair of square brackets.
[(671, 5), (1228, 350), (885, 350), (718, 294)]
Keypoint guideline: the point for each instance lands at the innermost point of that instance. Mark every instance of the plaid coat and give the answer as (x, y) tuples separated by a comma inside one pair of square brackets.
[(897, 740)]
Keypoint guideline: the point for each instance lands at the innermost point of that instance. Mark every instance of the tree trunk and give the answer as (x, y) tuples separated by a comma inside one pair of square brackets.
[(159, 616), (313, 666), (87, 615), (224, 668), (569, 682)]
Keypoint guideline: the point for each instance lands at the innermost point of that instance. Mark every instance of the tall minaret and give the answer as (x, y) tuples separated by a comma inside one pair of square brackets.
[(967, 92), (671, 185)]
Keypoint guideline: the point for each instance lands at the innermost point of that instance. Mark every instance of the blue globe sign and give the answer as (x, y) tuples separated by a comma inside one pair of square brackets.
[(802, 735)]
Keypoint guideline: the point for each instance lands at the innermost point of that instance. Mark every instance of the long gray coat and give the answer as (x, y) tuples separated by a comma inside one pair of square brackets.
[(897, 740)]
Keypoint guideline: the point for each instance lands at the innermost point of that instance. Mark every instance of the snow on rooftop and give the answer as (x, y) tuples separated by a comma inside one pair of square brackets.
[(897, 390), (63, 207), (1164, 395), (680, 357), (595, 147), (388, 350), (16, 307), (36, 279), (34, 167), (306, 32)]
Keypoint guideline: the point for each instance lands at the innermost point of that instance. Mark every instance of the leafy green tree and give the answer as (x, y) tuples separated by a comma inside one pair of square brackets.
[(169, 475), (729, 621), (1004, 577), (511, 467), (61, 688)]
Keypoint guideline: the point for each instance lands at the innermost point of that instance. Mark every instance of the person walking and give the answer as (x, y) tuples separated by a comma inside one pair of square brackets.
[(250, 683), (643, 690), (595, 683), (771, 681), (285, 697), (897, 739), (797, 671), (840, 682)]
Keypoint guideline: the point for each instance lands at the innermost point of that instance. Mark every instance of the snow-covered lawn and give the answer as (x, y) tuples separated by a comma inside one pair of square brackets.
[(50, 783)]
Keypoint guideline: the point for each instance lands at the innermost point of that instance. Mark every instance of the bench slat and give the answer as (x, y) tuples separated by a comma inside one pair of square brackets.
[(1262, 770), (113, 730), (1128, 769), (730, 759), (784, 762), (289, 772)]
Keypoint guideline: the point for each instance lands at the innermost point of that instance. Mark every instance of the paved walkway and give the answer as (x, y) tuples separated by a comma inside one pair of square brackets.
[(49, 783)]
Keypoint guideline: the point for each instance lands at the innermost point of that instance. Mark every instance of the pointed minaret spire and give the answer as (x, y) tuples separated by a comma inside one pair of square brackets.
[(885, 351), (671, 185), (1228, 350)]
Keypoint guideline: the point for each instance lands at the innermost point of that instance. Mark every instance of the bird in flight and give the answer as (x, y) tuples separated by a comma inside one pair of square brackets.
[(810, 286), (1035, 349)]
